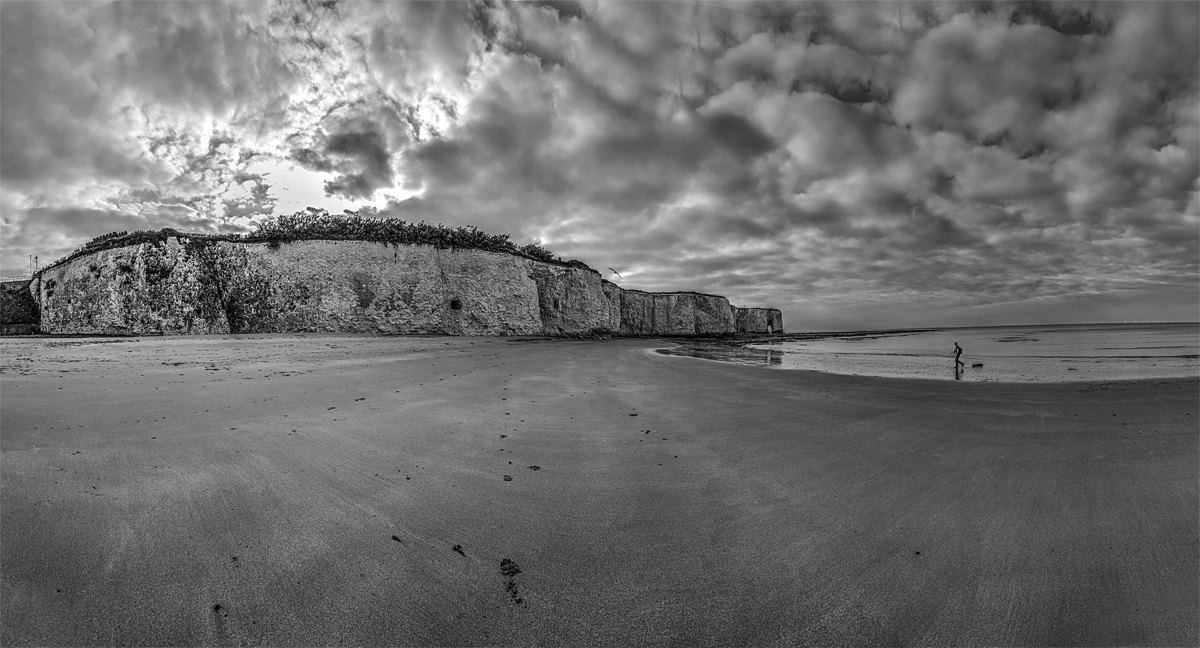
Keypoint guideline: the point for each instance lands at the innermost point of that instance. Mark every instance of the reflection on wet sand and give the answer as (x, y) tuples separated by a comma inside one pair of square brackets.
[(738, 355)]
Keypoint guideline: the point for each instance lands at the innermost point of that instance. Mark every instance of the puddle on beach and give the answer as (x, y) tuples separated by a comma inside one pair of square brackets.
[(1044, 353), (736, 355)]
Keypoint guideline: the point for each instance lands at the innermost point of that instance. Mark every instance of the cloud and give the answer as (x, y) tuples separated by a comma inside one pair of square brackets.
[(984, 78), (94, 222), (53, 233), (246, 202), (79, 80), (856, 164), (57, 125), (359, 154), (211, 58), (737, 135)]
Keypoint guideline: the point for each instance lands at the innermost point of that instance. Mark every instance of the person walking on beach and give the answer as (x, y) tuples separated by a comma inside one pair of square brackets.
[(957, 358)]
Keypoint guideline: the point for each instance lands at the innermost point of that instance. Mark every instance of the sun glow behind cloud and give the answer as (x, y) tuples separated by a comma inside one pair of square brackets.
[(295, 189)]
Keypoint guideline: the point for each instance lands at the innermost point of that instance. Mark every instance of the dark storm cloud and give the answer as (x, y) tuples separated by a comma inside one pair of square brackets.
[(1068, 20), (738, 135), (310, 159), (365, 152)]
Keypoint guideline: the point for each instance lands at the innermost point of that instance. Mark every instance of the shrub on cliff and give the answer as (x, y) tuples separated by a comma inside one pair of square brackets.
[(321, 225)]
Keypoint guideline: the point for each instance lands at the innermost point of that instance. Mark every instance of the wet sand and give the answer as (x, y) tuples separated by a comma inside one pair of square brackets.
[(311, 490)]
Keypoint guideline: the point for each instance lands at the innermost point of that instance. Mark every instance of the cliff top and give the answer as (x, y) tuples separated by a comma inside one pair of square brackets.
[(671, 292), (319, 225)]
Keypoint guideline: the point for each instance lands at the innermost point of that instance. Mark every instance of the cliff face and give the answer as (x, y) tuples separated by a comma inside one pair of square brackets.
[(18, 310), (183, 285), (307, 286), (674, 314), (758, 320), (148, 289), (574, 300), (375, 288)]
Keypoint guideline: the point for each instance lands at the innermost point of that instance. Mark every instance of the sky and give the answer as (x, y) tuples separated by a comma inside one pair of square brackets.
[(857, 165)]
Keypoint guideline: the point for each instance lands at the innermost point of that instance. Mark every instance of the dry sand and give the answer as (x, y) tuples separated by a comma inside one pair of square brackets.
[(271, 490)]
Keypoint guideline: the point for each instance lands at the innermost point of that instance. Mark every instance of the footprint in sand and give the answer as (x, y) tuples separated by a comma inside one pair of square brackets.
[(219, 614), (509, 570)]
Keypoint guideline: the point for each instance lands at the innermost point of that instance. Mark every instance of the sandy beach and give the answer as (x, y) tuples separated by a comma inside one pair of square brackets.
[(322, 490)]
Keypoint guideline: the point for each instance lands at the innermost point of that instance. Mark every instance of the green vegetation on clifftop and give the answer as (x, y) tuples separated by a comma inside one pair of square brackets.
[(318, 224)]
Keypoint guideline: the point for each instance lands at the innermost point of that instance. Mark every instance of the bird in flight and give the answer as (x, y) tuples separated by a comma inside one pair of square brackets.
[(616, 273)]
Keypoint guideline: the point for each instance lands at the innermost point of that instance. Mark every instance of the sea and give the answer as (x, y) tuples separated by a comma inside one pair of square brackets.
[(1034, 353)]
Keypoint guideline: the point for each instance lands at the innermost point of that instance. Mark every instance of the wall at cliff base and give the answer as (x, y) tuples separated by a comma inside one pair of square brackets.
[(185, 285)]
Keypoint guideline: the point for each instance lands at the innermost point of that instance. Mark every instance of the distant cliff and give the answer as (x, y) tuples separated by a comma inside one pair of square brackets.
[(180, 284), (757, 320)]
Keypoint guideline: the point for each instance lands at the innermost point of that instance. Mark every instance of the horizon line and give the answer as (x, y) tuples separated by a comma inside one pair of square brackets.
[(946, 328)]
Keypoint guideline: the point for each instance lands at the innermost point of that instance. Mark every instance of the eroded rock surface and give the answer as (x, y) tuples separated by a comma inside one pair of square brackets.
[(573, 300), (18, 309), (758, 320), (183, 285), (679, 313)]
